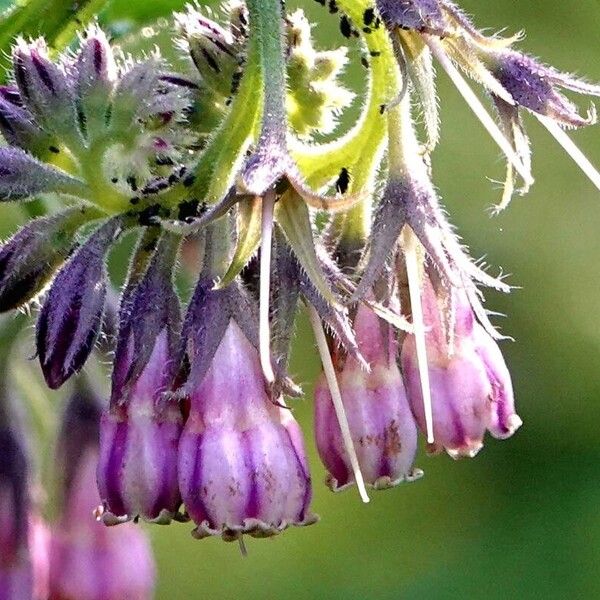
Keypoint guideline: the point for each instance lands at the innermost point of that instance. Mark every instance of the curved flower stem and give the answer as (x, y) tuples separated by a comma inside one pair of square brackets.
[(336, 397), (268, 205), (360, 148)]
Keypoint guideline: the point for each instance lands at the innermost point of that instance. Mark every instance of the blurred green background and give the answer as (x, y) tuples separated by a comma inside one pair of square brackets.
[(522, 518)]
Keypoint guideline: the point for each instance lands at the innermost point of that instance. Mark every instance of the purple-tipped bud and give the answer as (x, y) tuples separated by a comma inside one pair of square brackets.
[(30, 258), (70, 320), (18, 125), (96, 76), (535, 87), (142, 93), (137, 472), (242, 466), (22, 176), (382, 427), (471, 389), (46, 91)]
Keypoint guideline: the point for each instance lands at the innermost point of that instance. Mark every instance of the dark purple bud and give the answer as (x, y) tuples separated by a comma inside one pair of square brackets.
[(137, 471), (242, 466), (95, 79), (89, 561), (71, 317), (426, 16), (22, 176), (381, 424), (471, 390), (535, 86), (30, 258), (18, 125), (46, 91)]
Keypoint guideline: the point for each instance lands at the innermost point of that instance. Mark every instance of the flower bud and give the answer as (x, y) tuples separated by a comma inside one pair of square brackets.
[(18, 125), (214, 50), (89, 561), (242, 466), (471, 390), (70, 319), (139, 434), (381, 425), (46, 91), (30, 258), (96, 76), (535, 86), (22, 176)]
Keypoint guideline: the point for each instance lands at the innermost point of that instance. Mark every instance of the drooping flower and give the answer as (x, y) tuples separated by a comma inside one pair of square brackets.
[(514, 80), (382, 427), (242, 466), (139, 431), (471, 389)]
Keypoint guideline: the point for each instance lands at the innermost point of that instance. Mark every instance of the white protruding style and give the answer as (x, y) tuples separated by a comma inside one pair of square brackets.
[(264, 332), (478, 108), (409, 245), (569, 146), (336, 397)]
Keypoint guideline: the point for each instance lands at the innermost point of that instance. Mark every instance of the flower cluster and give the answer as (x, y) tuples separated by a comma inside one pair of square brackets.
[(216, 163)]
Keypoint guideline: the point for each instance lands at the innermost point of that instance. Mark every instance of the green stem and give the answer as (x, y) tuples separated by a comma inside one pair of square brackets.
[(359, 150), (404, 157), (266, 25)]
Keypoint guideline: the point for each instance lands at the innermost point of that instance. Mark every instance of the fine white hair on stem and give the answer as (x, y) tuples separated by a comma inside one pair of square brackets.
[(264, 332), (569, 146), (409, 246), (336, 397), (478, 108)]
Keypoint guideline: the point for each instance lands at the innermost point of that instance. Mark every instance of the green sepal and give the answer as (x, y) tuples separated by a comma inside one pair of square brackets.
[(293, 217), (249, 228)]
